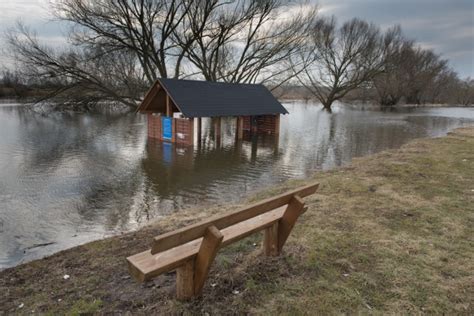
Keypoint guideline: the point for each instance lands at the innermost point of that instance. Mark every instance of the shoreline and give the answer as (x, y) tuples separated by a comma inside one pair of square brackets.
[(99, 281), (356, 103)]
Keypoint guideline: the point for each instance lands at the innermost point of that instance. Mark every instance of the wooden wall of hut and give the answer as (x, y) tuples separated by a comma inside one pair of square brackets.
[(269, 124), (182, 129)]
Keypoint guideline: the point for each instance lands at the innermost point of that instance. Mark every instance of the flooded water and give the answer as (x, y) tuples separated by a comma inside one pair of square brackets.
[(70, 178)]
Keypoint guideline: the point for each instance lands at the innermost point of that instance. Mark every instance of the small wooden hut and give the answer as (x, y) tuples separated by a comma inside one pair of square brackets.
[(254, 107)]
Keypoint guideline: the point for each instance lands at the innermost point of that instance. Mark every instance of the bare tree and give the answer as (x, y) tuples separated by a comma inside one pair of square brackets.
[(442, 88), (422, 67), (11, 84), (144, 27), (465, 92), (245, 41), (391, 83), (86, 75), (410, 72), (339, 60), (119, 48)]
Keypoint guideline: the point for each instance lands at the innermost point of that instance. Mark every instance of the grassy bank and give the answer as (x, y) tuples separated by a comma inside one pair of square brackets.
[(393, 232)]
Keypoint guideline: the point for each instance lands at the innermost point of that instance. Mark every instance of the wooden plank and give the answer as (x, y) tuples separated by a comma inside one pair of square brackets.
[(151, 94), (185, 280), (246, 228), (190, 136), (168, 109), (294, 210), (270, 240), (240, 127), (189, 233), (277, 124), (207, 253), (173, 130), (145, 266)]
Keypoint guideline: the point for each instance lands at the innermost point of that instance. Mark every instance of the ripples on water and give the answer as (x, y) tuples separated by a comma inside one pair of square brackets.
[(70, 178)]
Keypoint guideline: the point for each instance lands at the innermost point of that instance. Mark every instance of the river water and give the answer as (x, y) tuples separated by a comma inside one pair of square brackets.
[(66, 179)]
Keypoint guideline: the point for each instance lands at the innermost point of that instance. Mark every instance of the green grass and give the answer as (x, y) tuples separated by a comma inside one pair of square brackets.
[(83, 307)]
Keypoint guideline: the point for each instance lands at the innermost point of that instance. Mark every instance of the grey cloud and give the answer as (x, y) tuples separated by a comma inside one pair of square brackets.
[(446, 26)]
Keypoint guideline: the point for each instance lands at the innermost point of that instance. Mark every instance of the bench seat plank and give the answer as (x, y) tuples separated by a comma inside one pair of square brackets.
[(145, 266)]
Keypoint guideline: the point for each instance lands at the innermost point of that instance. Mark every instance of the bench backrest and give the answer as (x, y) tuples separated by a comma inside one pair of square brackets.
[(189, 233)]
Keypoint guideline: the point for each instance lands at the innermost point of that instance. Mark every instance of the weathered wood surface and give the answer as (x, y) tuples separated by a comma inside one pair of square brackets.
[(145, 266), (149, 96), (207, 252), (293, 211), (270, 240), (185, 280), (186, 234), (239, 133)]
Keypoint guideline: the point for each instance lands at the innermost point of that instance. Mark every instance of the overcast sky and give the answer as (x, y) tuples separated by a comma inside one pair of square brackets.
[(447, 26)]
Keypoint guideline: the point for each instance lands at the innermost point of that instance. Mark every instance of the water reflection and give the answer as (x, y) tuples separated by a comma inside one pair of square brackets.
[(70, 178)]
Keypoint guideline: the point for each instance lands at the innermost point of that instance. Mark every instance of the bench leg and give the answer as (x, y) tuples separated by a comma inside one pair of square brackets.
[(270, 240), (207, 253), (191, 276), (293, 211), (185, 281)]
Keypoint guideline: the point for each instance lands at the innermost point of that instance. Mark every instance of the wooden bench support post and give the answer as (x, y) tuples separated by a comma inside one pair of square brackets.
[(270, 240), (207, 253), (293, 211), (185, 281)]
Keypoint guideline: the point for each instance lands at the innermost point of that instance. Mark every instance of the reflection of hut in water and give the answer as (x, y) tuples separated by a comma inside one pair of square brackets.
[(171, 169), (172, 105)]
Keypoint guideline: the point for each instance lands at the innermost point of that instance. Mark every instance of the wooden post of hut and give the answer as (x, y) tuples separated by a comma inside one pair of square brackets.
[(217, 131), (199, 130), (239, 133)]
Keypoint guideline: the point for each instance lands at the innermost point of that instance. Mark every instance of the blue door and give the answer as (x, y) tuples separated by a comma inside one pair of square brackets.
[(167, 123)]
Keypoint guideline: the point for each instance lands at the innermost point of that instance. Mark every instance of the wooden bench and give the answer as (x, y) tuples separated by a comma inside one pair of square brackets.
[(192, 249)]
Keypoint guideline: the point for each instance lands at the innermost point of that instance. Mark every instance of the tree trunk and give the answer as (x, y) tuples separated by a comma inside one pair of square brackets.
[(327, 105), (389, 101)]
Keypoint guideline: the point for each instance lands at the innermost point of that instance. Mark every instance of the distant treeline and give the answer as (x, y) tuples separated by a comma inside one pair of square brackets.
[(14, 85), (117, 49)]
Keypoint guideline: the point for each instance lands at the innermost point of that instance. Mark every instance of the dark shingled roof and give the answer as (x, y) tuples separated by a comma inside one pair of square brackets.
[(208, 99)]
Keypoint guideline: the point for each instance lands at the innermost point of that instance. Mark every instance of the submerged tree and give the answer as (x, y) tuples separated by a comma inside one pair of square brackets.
[(465, 92), (443, 88), (391, 83), (410, 72), (338, 60), (422, 69)]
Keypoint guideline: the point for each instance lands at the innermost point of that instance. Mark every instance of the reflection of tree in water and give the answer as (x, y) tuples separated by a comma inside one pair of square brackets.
[(57, 136), (78, 158)]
